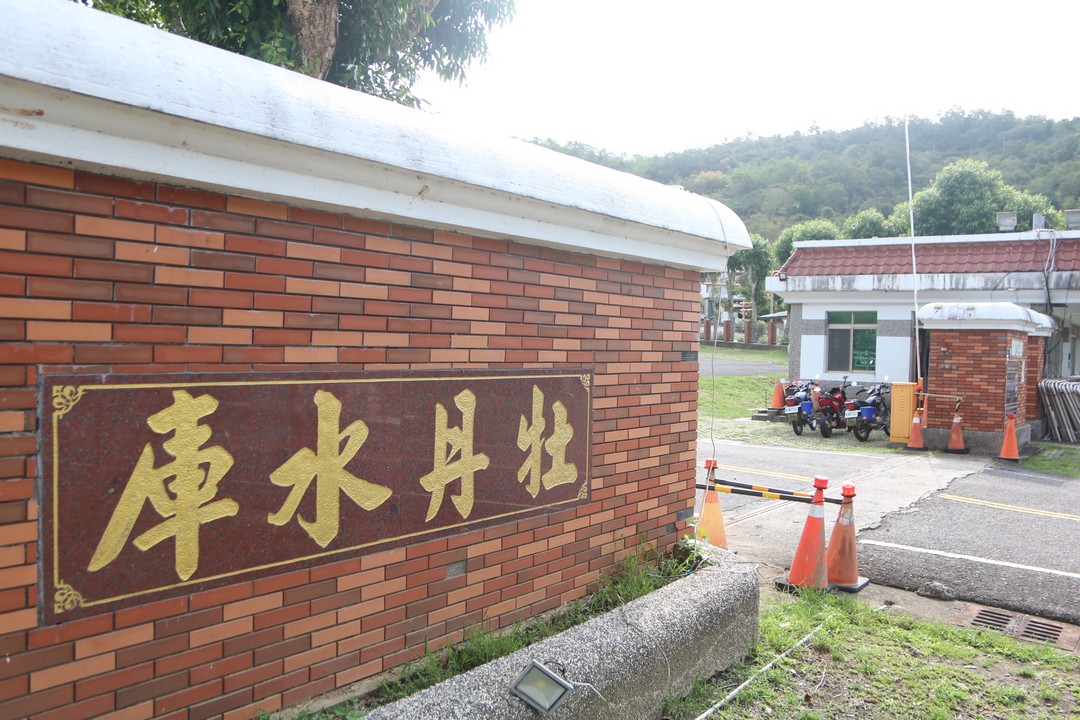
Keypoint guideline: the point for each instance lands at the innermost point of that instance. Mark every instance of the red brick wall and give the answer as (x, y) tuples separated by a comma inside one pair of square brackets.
[(973, 367), (1034, 355), (130, 276)]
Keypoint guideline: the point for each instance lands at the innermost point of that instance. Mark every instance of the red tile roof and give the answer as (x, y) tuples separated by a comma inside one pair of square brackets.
[(965, 257)]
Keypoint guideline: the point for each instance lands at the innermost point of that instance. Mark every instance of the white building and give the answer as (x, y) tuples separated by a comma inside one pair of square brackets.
[(852, 303)]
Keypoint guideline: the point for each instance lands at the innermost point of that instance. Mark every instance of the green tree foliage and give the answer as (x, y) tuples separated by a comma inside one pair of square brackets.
[(385, 44), (867, 223), (752, 265), (899, 221), (776, 182), (375, 46), (965, 198), (810, 230), (712, 183)]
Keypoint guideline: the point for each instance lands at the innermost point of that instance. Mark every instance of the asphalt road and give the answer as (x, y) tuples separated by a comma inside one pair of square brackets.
[(710, 367), (962, 527), (1003, 537)]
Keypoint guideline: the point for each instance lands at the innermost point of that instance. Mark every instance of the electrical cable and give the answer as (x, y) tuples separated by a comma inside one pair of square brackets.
[(914, 266), (551, 662), (1054, 341), (712, 413), (591, 687), (727, 698), (723, 230), (731, 695), (656, 644)]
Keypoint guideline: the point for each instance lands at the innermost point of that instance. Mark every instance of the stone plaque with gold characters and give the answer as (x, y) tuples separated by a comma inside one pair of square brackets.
[(158, 485)]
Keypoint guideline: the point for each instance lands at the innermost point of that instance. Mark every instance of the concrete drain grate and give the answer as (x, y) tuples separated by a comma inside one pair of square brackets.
[(1024, 627), (993, 619), (1044, 631)]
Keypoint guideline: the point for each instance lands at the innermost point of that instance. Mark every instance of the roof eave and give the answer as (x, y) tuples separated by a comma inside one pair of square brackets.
[(86, 87), (1025, 236)]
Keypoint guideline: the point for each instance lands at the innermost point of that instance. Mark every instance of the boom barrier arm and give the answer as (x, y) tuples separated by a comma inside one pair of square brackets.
[(771, 495)]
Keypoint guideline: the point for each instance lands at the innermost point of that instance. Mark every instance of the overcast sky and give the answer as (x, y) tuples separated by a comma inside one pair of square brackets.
[(654, 76)]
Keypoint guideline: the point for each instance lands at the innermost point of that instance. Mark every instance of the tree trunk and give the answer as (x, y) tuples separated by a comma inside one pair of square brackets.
[(753, 304), (729, 302), (315, 24)]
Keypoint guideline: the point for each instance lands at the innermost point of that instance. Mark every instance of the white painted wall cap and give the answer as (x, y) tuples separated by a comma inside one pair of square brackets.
[(985, 315), (106, 76)]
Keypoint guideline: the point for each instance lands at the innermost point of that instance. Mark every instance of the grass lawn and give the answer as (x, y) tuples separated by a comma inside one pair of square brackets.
[(1055, 458), (868, 664), (733, 397)]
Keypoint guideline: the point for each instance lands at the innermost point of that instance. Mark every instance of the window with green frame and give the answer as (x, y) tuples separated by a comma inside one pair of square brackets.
[(852, 342)]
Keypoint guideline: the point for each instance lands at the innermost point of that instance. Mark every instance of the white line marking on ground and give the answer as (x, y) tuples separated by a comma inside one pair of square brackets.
[(972, 558)]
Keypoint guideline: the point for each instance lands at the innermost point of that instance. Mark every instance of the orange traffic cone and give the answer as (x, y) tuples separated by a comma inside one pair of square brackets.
[(711, 526), (842, 562), (956, 438), (915, 441), (808, 568), (1009, 450), (777, 396)]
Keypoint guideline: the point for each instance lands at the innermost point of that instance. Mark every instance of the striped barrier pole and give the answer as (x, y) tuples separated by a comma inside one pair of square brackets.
[(764, 494), (762, 488)]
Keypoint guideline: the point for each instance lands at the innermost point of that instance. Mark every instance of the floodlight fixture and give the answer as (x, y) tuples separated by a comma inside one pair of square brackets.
[(1006, 221), (541, 688)]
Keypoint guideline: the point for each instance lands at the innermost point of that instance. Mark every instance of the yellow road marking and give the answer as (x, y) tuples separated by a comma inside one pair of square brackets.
[(757, 471), (1014, 508)]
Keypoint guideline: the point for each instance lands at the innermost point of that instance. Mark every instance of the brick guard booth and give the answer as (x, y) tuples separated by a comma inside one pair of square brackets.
[(296, 384), (992, 355)]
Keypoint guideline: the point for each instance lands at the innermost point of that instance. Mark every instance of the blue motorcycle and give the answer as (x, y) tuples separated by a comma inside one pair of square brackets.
[(870, 412), (798, 407)]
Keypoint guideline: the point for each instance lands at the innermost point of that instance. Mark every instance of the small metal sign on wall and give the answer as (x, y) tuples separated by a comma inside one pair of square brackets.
[(1014, 370), (152, 485)]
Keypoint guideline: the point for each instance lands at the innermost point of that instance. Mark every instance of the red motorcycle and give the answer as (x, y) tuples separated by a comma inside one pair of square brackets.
[(832, 409)]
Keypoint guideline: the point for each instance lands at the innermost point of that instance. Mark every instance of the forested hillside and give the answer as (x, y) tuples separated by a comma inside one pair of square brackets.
[(774, 183)]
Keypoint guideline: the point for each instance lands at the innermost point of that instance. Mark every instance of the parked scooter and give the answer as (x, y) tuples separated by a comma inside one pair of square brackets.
[(832, 406), (798, 406), (871, 412)]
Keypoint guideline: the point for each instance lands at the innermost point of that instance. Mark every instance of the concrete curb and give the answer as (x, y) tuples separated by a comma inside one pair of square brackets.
[(625, 663)]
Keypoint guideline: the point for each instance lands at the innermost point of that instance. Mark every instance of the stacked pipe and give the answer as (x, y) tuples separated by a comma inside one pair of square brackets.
[(1061, 402)]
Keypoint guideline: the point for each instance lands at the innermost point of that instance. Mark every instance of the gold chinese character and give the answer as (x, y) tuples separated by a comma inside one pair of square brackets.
[(561, 472), (327, 467), (530, 437), (448, 443), (186, 501)]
